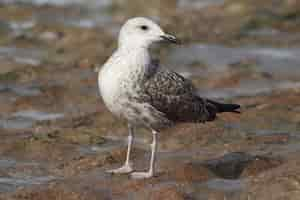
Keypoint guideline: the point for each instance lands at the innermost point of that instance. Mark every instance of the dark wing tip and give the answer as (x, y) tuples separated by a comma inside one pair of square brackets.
[(223, 107)]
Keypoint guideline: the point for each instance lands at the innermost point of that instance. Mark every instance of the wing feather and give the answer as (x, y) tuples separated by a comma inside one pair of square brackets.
[(175, 96)]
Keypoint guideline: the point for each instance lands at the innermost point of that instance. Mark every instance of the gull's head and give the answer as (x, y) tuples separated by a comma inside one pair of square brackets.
[(142, 32)]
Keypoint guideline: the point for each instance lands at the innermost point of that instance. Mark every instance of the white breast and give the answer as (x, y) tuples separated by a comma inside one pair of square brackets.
[(119, 77)]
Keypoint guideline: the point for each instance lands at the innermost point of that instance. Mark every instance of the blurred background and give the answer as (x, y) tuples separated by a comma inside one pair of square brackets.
[(57, 138)]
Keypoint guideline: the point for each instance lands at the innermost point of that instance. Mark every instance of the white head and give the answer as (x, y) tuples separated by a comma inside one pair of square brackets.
[(142, 32)]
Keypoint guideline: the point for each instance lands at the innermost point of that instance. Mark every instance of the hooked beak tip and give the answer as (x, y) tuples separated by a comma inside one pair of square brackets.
[(170, 38)]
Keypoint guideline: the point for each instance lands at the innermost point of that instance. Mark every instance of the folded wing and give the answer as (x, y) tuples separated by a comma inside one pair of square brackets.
[(175, 96)]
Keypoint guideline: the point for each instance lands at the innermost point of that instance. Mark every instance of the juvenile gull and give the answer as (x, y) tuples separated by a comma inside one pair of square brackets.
[(139, 90)]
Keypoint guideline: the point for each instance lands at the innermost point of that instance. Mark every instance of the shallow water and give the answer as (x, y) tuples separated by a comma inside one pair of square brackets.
[(37, 115), (282, 63), (20, 90), (16, 123), (197, 4), (60, 2), (23, 55), (17, 175), (26, 119), (249, 88), (226, 185), (11, 184), (5, 163), (88, 14)]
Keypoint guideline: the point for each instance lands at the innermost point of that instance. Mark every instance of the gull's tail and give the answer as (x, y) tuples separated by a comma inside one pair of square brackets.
[(223, 107)]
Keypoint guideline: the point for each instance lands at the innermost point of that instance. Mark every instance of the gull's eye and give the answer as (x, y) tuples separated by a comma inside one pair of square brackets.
[(144, 27)]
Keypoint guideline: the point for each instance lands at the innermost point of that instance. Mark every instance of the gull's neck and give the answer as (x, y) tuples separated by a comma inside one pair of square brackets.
[(136, 46), (138, 55)]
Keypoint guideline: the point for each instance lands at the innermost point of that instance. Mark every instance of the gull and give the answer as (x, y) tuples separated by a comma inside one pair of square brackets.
[(136, 88)]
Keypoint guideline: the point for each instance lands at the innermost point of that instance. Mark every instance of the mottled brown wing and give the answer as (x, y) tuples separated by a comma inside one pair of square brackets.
[(175, 96)]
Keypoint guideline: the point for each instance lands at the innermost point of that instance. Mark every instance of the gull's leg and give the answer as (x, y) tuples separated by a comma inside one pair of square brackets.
[(126, 168), (150, 172)]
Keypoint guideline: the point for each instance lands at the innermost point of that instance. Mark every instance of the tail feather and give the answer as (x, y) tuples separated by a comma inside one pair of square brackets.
[(222, 107)]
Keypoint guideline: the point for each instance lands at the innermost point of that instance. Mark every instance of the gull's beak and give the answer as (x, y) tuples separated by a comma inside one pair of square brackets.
[(170, 38)]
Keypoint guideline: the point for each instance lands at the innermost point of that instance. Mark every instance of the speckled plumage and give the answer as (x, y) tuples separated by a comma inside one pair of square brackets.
[(138, 89), (176, 97), (141, 91)]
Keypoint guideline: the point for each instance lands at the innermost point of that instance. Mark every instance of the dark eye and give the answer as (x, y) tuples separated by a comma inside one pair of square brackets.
[(144, 27)]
